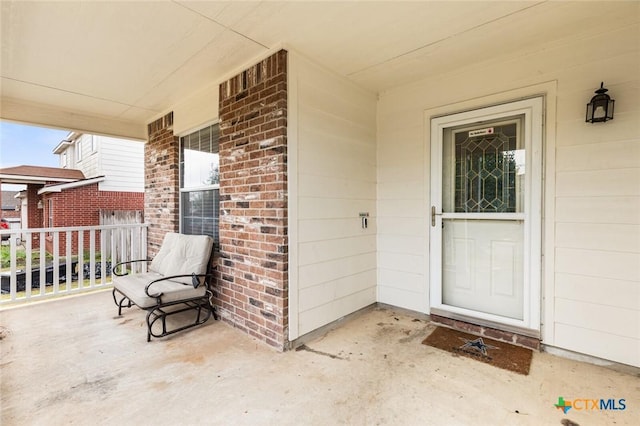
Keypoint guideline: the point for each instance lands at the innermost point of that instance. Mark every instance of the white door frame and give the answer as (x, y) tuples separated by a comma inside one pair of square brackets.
[(532, 109)]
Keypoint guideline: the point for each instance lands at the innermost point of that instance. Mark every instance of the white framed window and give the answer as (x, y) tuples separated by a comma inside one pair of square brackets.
[(79, 150), (94, 143), (200, 182), (64, 160)]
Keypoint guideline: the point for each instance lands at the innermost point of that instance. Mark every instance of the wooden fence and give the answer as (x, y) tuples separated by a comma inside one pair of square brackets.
[(120, 217)]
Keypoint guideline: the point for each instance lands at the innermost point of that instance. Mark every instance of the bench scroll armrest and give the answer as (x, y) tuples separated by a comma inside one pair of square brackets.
[(172, 277), (123, 273)]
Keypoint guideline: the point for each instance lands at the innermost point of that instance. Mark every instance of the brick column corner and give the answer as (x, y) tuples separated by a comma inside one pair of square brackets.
[(162, 184), (252, 284)]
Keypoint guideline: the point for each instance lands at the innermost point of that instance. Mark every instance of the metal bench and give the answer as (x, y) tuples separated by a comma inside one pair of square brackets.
[(178, 280)]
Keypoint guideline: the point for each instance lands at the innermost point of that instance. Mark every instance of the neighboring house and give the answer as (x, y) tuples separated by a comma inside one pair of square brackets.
[(97, 174), (119, 161), (10, 205), (333, 138)]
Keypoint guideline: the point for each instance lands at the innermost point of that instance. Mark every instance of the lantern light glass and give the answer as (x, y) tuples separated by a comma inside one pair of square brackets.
[(600, 108)]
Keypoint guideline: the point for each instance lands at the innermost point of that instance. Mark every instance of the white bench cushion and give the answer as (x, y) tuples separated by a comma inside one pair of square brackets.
[(182, 255), (133, 287), (179, 255)]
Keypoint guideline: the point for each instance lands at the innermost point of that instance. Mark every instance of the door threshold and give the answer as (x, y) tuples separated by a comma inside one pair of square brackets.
[(509, 334)]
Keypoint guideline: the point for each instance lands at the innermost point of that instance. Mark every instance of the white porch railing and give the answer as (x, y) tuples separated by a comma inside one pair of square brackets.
[(67, 260)]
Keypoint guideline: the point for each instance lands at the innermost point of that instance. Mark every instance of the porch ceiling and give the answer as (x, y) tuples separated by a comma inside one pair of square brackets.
[(79, 64)]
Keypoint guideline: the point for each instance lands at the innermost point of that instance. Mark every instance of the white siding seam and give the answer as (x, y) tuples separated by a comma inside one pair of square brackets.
[(398, 234), (355, 179), (610, 331), (332, 301), (598, 142), (567, 172), (609, 222), (403, 271), (333, 259), (399, 216), (399, 252), (569, 197), (592, 276), (403, 290), (345, 237), (366, 127), (332, 197), (599, 303), (582, 248), (350, 275)]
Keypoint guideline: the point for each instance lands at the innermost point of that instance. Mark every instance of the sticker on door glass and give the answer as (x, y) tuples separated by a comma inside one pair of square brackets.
[(481, 132)]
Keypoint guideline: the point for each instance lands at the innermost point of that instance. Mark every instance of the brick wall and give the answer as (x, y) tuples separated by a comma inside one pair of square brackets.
[(161, 201), (252, 285), (81, 207), (35, 219), (34, 214), (10, 214)]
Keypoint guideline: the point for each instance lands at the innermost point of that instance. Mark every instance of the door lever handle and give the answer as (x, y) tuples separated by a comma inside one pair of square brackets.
[(433, 215)]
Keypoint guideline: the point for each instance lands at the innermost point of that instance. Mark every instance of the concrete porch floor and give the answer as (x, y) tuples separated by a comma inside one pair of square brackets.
[(73, 361)]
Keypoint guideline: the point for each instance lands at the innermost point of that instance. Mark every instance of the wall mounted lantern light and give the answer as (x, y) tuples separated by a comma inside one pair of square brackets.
[(600, 109), (40, 205)]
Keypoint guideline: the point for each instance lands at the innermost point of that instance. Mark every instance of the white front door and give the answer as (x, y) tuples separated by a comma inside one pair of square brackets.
[(486, 174)]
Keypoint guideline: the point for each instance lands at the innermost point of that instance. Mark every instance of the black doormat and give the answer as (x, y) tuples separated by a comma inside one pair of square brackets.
[(489, 351)]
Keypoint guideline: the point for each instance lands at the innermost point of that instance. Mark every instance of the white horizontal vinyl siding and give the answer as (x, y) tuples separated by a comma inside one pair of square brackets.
[(89, 163), (335, 157), (591, 286), (122, 163), (402, 233)]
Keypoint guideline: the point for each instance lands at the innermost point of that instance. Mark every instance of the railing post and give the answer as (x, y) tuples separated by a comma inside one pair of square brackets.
[(92, 258), (43, 265), (28, 261), (13, 279), (145, 235), (103, 256), (80, 265), (68, 253), (114, 254), (56, 261)]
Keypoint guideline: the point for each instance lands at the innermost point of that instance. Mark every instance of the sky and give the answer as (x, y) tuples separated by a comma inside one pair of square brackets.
[(28, 145)]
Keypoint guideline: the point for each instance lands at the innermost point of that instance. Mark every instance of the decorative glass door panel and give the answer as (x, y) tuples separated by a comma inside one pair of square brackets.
[(486, 170)]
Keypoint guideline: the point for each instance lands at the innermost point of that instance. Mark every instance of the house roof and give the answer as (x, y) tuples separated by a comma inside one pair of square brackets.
[(62, 186), (66, 142), (9, 200), (175, 50), (62, 146), (38, 174)]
